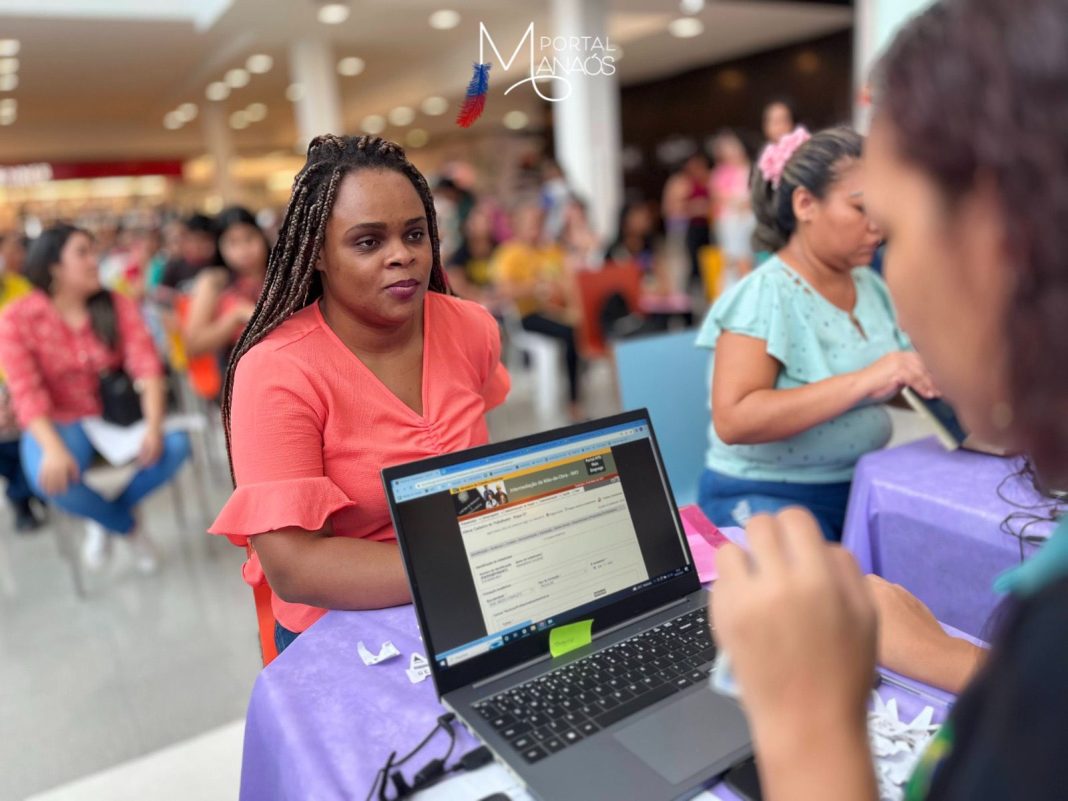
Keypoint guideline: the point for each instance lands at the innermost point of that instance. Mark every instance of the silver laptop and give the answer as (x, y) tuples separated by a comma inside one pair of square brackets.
[(505, 543)]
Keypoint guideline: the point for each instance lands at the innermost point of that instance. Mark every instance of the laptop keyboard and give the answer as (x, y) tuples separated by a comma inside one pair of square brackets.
[(549, 713)]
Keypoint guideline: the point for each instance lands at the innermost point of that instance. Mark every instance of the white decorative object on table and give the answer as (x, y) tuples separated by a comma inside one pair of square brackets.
[(418, 669), (387, 651), (896, 746)]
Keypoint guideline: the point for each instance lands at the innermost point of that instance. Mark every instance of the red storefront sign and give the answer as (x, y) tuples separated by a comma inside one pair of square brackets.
[(44, 171)]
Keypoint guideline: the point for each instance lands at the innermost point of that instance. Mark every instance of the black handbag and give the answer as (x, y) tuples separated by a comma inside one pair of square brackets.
[(120, 398)]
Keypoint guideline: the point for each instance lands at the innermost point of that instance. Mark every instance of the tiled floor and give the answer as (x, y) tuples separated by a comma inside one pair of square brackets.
[(204, 768), (143, 664)]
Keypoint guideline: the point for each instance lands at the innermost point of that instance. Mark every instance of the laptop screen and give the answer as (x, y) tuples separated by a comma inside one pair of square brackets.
[(504, 546)]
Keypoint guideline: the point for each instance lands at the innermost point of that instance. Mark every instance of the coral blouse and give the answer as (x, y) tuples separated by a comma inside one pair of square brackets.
[(312, 427)]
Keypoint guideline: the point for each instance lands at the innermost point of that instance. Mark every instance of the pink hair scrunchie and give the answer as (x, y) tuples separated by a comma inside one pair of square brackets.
[(775, 155)]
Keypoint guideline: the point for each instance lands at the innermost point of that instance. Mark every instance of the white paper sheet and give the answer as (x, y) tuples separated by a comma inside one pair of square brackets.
[(119, 445)]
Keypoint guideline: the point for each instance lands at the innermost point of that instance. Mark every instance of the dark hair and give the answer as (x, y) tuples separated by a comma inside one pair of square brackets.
[(979, 88), (815, 165), (45, 253), (780, 100), (227, 219), (631, 204), (199, 224), (292, 280)]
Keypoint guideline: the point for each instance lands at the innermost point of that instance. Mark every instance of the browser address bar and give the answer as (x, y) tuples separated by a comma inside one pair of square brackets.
[(453, 477)]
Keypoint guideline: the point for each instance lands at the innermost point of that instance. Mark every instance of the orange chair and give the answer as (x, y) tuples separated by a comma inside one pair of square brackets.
[(261, 594), (594, 288), (203, 371)]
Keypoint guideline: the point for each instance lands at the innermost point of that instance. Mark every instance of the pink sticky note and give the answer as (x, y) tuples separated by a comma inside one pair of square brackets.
[(704, 539), (704, 557)]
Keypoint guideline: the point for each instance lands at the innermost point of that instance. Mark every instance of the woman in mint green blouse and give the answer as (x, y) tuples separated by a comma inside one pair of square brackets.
[(806, 348)]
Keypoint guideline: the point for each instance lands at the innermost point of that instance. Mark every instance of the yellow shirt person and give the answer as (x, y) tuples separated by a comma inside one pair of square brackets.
[(13, 287), (528, 269)]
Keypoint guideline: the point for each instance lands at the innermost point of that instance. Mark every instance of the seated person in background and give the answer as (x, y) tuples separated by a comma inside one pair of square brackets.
[(196, 250), (27, 518), (533, 276), (54, 345), (805, 348), (469, 269), (356, 357), (148, 245), (636, 243), (223, 298), (13, 247), (581, 245)]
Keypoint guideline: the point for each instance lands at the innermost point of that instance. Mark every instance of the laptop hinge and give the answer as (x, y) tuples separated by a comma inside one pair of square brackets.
[(524, 665)]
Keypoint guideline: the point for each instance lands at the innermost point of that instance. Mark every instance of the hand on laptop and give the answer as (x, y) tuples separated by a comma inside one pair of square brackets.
[(799, 624)]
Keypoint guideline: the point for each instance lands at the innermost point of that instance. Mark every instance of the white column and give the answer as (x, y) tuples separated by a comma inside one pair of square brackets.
[(311, 65), (876, 23), (587, 130), (220, 147)]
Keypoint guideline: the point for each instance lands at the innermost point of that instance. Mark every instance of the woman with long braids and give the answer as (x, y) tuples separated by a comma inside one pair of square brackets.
[(356, 357)]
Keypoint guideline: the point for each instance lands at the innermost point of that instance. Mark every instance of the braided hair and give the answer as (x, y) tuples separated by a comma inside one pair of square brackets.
[(292, 282)]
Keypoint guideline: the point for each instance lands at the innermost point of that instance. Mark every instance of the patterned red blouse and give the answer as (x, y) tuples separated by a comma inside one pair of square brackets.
[(54, 370)]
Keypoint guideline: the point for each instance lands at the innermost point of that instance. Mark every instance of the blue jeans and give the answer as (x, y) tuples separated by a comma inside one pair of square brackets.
[(114, 515), (18, 489), (730, 501), (283, 637)]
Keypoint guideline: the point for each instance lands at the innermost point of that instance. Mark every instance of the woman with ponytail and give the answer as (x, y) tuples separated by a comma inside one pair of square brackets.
[(805, 348), (355, 357)]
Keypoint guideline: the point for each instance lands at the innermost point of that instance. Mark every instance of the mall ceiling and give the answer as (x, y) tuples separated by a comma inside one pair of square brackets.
[(96, 79)]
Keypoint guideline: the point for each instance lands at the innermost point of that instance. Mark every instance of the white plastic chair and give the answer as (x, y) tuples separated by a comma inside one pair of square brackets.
[(545, 356)]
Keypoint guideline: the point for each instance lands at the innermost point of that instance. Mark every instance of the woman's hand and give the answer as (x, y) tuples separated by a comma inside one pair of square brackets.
[(151, 447), (886, 377), (58, 471), (799, 624), (913, 643)]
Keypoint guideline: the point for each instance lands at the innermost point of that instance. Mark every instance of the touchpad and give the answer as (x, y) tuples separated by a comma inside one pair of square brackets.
[(686, 736)]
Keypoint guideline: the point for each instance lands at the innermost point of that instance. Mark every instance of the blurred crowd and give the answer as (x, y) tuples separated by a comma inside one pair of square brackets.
[(534, 259)]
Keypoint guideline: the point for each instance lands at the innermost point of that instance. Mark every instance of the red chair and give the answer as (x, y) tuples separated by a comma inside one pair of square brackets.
[(203, 371), (595, 287)]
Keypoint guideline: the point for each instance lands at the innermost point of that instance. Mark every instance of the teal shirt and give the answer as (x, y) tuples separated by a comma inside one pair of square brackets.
[(813, 340)]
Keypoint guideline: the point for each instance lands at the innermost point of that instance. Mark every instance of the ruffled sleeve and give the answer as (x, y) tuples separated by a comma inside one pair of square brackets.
[(276, 445), (305, 503), (770, 304)]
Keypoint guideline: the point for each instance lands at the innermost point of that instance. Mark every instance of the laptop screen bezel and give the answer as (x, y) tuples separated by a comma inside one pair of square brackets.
[(537, 644)]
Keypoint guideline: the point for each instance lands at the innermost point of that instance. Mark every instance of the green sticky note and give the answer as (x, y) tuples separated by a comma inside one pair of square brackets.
[(565, 639)]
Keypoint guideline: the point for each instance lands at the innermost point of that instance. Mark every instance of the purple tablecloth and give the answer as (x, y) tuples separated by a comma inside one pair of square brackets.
[(930, 520), (320, 723)]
